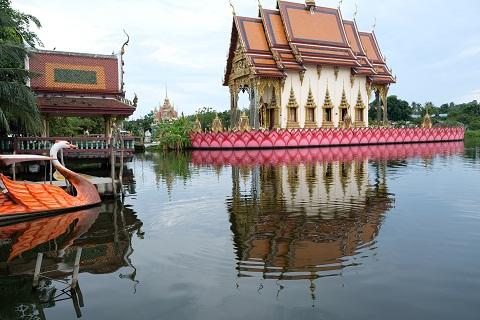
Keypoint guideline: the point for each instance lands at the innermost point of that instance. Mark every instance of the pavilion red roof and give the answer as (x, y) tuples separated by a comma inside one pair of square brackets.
[(74, 72)]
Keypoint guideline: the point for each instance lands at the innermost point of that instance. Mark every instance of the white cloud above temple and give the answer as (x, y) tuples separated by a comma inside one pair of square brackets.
[(432, 45)]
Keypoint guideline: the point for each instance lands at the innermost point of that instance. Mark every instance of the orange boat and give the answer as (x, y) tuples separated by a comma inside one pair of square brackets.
[(20, 200)]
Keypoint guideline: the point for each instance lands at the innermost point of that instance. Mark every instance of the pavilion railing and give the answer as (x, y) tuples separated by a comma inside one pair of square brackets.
[(93, 146)]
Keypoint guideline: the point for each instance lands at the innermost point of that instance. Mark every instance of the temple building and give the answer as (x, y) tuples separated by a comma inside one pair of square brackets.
[(79, 84), (166, 112), (304, 66)]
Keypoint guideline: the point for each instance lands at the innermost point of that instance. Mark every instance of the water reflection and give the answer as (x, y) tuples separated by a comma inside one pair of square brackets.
[(303, 221), (104, 234), (301, 214)]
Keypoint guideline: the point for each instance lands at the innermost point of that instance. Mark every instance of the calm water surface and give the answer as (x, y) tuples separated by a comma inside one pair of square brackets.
[(345, 233)]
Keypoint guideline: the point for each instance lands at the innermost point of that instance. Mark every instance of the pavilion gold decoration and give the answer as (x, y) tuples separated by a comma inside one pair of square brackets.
[(263, 84), (217, 125), (310, 111), (302, 75), (327, 111), (336, 70), (345, 119), (359, 111), (243, 124), (319, 71), (197, 125), (292, 107), (427, 121), (296, 53)]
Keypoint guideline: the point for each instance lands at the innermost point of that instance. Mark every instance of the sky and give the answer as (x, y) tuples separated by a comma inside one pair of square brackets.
[(433, 46)]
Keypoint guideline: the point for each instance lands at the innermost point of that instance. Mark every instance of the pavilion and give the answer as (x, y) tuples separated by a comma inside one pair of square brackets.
[(79, 84)]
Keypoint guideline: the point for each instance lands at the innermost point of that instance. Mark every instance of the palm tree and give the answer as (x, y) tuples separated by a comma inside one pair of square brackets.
[(18, 108)]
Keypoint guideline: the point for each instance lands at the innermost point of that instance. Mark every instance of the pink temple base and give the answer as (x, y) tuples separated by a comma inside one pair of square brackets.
[(322, 137)]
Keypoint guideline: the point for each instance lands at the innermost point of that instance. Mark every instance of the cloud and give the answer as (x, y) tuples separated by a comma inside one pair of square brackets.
[(184, 43)]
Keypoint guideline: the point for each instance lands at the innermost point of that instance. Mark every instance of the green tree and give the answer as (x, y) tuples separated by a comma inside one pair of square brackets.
[(398, 110), (206, 115), (18, 109), (139, 126)]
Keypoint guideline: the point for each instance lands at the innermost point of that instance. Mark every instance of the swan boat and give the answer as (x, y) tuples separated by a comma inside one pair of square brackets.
[(21, 200)]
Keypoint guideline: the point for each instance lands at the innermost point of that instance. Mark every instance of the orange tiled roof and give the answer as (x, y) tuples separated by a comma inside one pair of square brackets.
[(293, 36), (277, 39), (353, 37), (319, 37), (370, 44)]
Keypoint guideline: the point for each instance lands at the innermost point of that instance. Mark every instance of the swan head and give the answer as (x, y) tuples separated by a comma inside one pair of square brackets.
[(62, 144)]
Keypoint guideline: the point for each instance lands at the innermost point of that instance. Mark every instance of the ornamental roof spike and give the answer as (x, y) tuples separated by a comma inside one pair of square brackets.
[(359, 103), (344, 103), (233, 8), (292, 101)]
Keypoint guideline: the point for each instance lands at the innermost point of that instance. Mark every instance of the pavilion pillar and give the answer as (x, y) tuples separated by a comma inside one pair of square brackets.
[(379, 105), (383, 97), (254, 109), (108, 126), (45, 127), (233, 107)]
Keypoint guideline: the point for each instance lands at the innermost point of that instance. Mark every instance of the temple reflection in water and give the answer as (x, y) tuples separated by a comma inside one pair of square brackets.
[(307, 213), (104, 235), (302, 221)]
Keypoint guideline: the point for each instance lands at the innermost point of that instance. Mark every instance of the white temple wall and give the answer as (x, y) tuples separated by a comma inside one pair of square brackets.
[(319, 88)]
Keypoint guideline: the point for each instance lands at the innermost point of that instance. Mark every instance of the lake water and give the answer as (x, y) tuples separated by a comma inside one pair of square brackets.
[(385, 232)]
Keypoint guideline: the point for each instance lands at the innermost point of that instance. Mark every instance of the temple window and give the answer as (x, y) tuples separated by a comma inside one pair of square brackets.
[(327, 111), (358, 115), (292, 109), (359, 111), (292, 115), (310, 109), (328, 115)]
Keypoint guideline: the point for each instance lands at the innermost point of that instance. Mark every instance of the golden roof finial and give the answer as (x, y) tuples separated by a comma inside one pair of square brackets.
[(340, 4), (259, 4), (374, 24), (356, 12), (233, 8)]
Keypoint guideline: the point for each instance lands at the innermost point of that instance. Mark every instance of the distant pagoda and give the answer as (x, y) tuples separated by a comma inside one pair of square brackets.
[(166, 112)]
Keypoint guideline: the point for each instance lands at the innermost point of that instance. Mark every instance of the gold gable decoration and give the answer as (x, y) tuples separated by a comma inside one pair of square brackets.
[(217, 125), (310, 110), (243, 124), (427, 121), (292, 108), (197, 125)]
